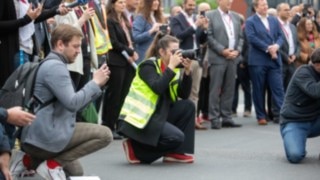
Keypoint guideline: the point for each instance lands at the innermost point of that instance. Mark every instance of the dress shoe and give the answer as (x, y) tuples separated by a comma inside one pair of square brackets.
[(276, 120), (116, 136), (230, 124), (216, 125), (262, 122), (246, 114)]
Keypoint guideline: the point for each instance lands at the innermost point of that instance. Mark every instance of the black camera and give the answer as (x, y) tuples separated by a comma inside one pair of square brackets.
[(164, 28), (306, 12), (192, 54), (34, 3)]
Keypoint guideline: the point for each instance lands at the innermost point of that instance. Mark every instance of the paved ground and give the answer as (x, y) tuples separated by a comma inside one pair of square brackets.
[(248, 153)]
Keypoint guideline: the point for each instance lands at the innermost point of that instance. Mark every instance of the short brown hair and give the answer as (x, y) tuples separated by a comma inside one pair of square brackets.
[(255, 3), (65, 33)]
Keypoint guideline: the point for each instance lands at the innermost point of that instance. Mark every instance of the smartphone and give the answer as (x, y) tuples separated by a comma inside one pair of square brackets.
[(91, 4), (34, 3), (203, 13), (164, 28)]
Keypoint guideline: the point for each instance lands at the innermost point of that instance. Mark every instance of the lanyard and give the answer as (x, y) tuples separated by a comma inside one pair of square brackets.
[(228, 22), (286, 33)]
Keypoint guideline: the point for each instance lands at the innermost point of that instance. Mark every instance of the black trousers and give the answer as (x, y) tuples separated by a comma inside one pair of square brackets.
[(243, 79), (117, 89), (177, 135), (287, 73), (203, 103)]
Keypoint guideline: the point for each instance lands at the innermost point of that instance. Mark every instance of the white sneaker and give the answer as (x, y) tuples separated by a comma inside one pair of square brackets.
[(51, 173), (16, 164)]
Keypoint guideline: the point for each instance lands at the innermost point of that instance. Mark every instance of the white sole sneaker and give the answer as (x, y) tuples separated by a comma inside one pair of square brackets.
[(51, 174), (16, 164)]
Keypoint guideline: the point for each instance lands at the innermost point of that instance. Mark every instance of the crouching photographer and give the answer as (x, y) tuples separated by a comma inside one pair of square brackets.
[(156, 123)]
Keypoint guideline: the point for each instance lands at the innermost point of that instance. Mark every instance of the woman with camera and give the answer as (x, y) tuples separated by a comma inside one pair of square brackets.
[(156, 123), (146, 24)]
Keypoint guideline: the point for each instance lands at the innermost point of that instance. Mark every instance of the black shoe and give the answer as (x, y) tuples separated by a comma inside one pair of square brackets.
[(216, 125), (116, 136), (276, 120), (230, 124)]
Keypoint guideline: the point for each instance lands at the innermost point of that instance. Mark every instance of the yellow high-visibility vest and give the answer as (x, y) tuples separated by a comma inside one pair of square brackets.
[(102, 40), (141, 101)]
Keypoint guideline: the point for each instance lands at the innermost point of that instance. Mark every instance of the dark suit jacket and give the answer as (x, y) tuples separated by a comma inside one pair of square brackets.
[(181, 29), (284, 50), (296, 18), (119, 43), (259, 38)]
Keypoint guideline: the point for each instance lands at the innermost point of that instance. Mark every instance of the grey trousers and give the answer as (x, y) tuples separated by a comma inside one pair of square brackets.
[(87, 138), (221, 91)]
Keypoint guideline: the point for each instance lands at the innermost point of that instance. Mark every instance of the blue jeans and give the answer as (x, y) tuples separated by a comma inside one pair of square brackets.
[(295, 134), (17, 61)]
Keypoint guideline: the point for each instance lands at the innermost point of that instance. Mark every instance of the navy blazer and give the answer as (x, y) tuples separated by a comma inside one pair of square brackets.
[(181, 29), (259, 38)]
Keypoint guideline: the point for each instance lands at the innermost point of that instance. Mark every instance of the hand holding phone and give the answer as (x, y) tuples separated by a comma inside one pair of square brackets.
[(164, 28), (203, 13)]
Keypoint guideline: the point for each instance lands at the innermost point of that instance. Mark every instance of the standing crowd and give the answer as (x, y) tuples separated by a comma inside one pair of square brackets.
[(155, 78)]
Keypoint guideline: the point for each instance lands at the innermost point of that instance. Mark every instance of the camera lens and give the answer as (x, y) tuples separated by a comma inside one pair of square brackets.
[(190, 53)]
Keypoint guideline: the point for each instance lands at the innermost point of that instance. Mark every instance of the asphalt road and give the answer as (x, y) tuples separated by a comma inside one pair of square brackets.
[(251, 152)]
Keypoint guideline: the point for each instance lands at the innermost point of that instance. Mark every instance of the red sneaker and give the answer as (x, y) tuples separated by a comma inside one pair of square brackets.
[(204, 117), (180, 158), (131, 157)]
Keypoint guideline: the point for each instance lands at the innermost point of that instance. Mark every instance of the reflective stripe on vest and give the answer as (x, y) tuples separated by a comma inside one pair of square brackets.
[(141, 101), (102, 40)]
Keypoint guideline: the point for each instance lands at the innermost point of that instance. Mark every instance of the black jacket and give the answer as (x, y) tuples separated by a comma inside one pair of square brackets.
[(160, 85), (9, 34), (302, 100), (119, 43), (181, 29)]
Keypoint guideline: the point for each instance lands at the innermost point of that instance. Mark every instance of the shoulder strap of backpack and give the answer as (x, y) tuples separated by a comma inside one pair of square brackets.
[(34, 100)]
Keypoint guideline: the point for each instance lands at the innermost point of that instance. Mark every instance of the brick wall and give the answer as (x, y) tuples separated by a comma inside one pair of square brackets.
[(240, 6)]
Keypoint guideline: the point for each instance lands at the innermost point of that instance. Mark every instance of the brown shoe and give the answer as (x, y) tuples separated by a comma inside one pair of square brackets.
[(262, 122)]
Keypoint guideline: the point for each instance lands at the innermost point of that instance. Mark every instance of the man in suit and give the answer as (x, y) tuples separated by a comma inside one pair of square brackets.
[(185, 26), (265, 37), (290, 48), (225, 41), (131, 7)]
